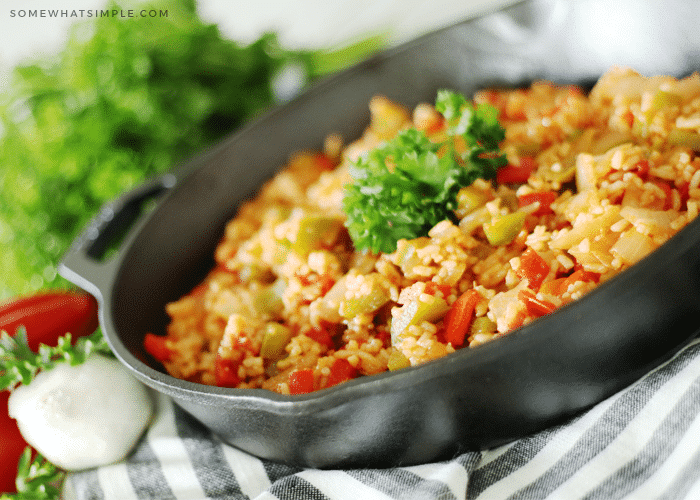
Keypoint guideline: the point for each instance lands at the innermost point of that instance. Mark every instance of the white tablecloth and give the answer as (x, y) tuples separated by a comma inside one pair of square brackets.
[(642, 443)]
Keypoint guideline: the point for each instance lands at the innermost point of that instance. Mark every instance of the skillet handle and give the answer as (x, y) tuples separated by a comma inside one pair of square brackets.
[(90, 262)]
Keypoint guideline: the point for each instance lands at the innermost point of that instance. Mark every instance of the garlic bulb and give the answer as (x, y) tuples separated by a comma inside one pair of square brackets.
[(82, 416)]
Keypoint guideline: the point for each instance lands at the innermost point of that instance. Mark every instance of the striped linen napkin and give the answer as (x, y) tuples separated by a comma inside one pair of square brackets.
[(642, 443)]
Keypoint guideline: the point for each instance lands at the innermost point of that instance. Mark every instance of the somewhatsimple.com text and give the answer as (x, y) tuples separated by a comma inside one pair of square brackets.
[(81, 13)]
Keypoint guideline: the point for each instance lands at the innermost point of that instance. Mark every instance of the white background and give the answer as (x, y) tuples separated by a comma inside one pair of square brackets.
[(299, 23)]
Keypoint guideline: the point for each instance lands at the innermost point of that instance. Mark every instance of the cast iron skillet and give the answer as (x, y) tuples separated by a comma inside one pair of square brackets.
[(476, 398)]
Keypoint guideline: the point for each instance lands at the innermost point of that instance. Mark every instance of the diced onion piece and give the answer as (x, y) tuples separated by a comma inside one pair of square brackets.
[(476, 219), (648, 221), (567, 239), (632, 246)]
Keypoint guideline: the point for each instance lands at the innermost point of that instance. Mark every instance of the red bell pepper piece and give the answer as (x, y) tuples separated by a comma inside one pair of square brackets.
[(459, 318), (155, 346), (341, 371), (544, 198), (533, 268), (324, 162), (301, 381), (321, 335), (535, 306), (516, 174), (226, 372)]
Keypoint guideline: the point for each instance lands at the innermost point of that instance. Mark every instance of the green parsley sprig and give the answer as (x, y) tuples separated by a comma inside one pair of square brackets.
[(37, 479), (19, 364), (410, 183)]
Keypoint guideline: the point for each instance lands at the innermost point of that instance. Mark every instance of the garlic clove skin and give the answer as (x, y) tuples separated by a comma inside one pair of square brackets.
[(82, 416)]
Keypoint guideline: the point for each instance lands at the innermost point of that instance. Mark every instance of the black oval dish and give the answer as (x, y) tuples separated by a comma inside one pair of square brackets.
[(476, 398)]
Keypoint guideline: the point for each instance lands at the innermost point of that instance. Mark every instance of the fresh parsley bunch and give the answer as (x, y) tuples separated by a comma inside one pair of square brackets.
[(406, 186)]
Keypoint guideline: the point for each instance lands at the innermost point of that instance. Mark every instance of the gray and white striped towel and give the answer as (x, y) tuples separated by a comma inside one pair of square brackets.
[(641, 443)]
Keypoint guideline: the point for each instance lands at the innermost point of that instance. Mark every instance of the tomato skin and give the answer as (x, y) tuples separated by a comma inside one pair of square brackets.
[(326, 281), (556, 287), (666, 188), (49, 315), (431, 288), (641, 168), (46, 316)]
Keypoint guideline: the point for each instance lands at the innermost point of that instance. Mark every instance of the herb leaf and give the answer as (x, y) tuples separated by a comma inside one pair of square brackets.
[(19, 364), (407, 185)]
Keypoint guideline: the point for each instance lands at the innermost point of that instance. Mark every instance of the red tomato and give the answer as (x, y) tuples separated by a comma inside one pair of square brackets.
[(641, 168), (580, 274), (46, 317), (50, 315), (668, 196), (555, 287), (683, 190), (431, 288), (324, 162)]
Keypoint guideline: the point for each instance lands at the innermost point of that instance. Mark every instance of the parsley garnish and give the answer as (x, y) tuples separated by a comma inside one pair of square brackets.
[(19, 364), (409, 184)]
